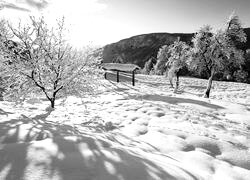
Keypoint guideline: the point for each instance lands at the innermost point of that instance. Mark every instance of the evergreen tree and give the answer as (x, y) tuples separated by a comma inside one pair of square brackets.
[(162, 59), (149, 66)]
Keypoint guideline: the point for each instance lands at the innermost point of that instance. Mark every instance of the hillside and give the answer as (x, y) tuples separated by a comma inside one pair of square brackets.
[(124, 132), (138, 49)]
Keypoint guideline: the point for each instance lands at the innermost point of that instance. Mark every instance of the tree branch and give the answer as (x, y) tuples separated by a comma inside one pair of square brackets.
[(38, 85)]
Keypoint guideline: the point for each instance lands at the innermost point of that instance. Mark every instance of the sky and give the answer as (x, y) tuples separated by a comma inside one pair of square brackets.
[(100, 22)]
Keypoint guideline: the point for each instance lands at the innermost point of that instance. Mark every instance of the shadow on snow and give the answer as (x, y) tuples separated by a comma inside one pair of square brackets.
[(176, 100), (35, 148)]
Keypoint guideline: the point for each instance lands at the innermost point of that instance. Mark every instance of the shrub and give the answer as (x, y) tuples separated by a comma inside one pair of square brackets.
[(240, 76)]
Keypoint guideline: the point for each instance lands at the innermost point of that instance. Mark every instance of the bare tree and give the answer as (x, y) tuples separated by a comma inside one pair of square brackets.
[(38, 59)]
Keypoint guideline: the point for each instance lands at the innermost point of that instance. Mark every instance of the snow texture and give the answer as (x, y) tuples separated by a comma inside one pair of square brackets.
[(145, 132)]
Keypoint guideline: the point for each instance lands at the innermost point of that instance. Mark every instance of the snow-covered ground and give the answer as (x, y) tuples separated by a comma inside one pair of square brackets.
[(145, 132)]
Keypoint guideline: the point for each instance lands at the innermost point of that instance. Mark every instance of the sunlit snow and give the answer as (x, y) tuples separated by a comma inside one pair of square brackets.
[(130, 132)]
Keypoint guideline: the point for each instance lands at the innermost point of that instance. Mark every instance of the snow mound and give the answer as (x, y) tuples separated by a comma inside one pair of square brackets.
[(166, 143)]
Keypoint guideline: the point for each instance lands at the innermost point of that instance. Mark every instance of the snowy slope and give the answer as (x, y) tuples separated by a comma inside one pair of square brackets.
[(131, 133)]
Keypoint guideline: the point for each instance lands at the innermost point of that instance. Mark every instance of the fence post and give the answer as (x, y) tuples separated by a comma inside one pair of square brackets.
[(117, 78), (133, 78)]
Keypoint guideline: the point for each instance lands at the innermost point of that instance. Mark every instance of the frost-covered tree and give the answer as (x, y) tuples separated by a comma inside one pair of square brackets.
[(149, 66), (36, 58), (4, 30), (162, 59), (215, 52), (234, 32), (235, 37), (179, 53)]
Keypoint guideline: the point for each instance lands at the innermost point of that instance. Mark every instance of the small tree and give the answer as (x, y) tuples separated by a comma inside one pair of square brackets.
[(149, 66), (38, 59), (179, 53), (214, 52)]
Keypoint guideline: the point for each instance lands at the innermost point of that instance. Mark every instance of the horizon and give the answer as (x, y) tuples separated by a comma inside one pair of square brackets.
[(101, 22)]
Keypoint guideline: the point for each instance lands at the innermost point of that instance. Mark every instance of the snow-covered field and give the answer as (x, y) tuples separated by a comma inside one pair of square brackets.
[(145, 132)]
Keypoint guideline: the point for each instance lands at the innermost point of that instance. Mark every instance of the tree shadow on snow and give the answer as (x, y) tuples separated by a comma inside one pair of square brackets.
[(158, 84), (3, 112), (177, 100), (197, 87), (123, 91), (34, 148), (103, 162), (26, 129)]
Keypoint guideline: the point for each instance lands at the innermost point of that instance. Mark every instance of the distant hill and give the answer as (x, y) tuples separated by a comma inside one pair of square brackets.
[(139, 49)]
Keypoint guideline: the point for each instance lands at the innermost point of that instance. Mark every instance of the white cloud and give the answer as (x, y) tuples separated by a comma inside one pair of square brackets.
[(38, 4)]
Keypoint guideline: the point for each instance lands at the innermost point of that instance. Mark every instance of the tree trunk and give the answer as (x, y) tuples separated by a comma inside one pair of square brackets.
[(52, 102), (177, 81), (209, 85), (133, 78), (117, 76), (170, 78), (171, 82)]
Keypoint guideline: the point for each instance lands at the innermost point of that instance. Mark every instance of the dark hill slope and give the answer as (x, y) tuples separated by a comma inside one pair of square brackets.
[(139, 49)]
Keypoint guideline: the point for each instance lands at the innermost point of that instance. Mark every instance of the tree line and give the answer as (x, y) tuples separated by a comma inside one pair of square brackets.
[(212, 54)]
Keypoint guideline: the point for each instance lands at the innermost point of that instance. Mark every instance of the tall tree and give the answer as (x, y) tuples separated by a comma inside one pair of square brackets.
[(38, 59), (162, 59), (214, 52)]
